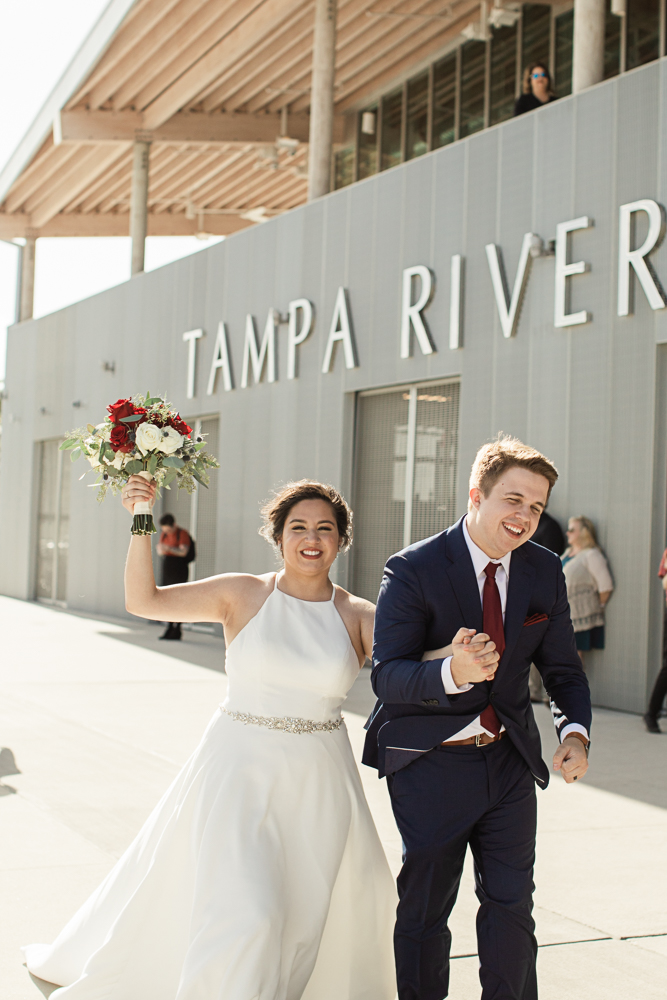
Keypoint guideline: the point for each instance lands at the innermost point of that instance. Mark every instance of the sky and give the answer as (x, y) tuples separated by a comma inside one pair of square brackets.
[(37, 42)]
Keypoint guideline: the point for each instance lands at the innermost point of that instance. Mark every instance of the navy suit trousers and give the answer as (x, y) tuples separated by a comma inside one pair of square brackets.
[(443, 801)]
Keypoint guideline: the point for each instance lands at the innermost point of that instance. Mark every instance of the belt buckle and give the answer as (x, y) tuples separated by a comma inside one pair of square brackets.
[(478, 740)]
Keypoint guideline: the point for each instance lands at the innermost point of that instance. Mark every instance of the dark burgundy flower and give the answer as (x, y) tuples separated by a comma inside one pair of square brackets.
[(123, 408), (180, 425), (120, 439)]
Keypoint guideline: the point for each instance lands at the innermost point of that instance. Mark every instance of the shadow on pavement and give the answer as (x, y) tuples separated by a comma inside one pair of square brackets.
[(624, 758)]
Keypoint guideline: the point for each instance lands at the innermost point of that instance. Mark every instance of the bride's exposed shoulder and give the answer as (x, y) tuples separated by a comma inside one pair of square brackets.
[(359, 617)]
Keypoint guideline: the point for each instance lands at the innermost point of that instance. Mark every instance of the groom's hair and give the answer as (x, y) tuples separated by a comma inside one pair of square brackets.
[(494, 459)]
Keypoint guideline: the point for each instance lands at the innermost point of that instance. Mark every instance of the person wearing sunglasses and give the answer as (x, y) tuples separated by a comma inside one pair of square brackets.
[(537, 89)]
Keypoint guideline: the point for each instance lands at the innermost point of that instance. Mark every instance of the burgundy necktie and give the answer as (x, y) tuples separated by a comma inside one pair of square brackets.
[(492, 611)]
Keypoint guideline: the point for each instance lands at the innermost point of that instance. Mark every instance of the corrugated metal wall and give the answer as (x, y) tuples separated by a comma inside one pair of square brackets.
[(591, 397)]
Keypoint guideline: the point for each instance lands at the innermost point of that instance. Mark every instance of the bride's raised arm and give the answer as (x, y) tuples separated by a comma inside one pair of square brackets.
[(210, 600)]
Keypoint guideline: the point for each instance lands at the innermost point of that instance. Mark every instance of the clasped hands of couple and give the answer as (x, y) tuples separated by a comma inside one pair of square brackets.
[(475, 659)]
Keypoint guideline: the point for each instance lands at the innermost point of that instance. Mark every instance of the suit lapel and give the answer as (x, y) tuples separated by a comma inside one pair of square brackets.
[(462, 576), (522, 575)]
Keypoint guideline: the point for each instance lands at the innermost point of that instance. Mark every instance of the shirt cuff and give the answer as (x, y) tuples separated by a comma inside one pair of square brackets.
[(448, 680), (572, 727)]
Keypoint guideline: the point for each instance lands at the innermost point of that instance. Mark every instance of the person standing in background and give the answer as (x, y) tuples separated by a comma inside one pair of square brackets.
[(589, 584), (550, 535), (174, 547), (537, 89), (660, 686)]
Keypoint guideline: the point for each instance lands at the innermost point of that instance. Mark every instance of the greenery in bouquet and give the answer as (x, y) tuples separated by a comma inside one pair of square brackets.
[(141, 435)]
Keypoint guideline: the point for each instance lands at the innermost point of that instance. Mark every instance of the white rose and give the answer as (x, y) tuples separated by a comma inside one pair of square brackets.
[(119, 460), (149, 438), (171, 441)]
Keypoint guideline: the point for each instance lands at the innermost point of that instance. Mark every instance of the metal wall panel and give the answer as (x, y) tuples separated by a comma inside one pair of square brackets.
[(589, 396)]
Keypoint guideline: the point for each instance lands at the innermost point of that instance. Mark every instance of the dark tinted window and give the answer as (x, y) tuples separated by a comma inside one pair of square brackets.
[(392, 116), (444, 101), (503, 74), (417, 117), (473, 64)]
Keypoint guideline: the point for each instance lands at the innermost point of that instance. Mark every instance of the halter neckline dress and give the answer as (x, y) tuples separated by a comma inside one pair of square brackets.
[(260, 874)]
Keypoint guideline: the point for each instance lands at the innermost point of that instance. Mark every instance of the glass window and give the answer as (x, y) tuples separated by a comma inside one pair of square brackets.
[(343, 167), (405, 474), (444, 101), (564, 28), (392, 119), (642, 26), (368, 142), (503, 74), (612, 43), (417, 117), (536, 33), (473, 65)]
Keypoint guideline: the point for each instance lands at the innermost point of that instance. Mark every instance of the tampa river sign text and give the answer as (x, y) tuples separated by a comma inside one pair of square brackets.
[(417, 290)]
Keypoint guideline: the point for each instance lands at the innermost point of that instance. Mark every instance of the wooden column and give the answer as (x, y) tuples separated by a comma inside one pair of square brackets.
[(322, 99), (139, 204), (27, 294)]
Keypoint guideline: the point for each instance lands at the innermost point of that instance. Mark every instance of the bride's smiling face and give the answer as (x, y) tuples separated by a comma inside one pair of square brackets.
[(310, 537)]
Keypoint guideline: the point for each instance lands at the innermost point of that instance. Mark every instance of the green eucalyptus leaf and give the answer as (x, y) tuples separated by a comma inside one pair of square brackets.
[(132, 419), (151, 400), (69, 443), (200, 480), (131, 468), (173, 462), (75, 454), (152, 464)]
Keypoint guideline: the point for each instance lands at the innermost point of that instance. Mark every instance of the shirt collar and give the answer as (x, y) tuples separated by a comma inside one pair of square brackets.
[(480, 560)]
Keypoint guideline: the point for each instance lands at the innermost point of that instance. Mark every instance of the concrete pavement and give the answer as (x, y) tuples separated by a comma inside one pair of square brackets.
[(96, 717)]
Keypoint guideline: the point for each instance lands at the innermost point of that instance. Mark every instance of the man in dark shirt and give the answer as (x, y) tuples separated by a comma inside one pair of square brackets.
[(173, 546), (550, 534)]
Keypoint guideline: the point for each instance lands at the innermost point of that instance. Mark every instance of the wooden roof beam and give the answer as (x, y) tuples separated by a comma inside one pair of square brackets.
[(90, 166), (118, 224), (81, 126), (48, 167), (262, 23), (132, 33), (147, 81)]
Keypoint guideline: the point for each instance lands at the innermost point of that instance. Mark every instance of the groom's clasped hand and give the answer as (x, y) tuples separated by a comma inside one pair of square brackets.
[(474, 657)]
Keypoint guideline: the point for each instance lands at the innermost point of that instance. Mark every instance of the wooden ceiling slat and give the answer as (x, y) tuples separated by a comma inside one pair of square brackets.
[(244, 192), (352, 20), (396, 62), (208, 194), (244, 37), (133, 31), (46, 168), (119, 178), (93, 163), (178, 53), (175, 15), (215, 172), (378, 36), (179, 184)]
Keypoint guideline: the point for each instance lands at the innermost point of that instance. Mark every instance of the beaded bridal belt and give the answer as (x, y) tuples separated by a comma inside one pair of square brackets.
[(286, 725)]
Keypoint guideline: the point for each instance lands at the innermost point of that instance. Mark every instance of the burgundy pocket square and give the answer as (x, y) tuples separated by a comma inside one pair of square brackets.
[(534, 619)]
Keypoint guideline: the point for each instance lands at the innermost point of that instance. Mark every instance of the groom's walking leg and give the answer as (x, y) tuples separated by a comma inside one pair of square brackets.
[(436, 801), (503, 847)]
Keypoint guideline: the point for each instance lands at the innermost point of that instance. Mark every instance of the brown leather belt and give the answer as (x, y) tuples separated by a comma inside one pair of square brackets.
[(481, 740)]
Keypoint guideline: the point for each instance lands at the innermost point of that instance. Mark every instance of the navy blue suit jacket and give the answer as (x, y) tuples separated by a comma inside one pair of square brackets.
[(429, 591)]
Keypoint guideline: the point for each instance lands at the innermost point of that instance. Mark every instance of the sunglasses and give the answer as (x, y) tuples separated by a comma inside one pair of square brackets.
[(539, 76)]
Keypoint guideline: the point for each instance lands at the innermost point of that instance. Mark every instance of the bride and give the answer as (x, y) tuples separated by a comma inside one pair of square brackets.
[(259, 875)]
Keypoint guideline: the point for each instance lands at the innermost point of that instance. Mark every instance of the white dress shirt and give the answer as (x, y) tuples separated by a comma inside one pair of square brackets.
[(480, 561)]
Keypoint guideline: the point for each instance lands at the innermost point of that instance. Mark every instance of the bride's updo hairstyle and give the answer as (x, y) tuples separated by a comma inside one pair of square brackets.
[(275, 510)]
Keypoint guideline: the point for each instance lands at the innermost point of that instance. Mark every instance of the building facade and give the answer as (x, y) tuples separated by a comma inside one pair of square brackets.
[(374, 338)]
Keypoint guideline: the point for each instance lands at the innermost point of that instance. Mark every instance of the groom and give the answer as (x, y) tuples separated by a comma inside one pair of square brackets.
[(456, 735)]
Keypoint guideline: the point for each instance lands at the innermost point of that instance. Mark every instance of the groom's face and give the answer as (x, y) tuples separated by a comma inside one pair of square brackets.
[(509, 515)]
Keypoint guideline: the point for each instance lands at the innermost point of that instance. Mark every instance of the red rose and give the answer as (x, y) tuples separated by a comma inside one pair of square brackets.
[(120, 439), (180, 425), (123, 408)]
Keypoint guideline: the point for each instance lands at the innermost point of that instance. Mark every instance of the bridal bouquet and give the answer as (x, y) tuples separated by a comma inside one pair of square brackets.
[(141, 436)]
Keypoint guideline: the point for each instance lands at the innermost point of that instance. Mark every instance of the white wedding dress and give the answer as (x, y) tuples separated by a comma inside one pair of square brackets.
[(260, 874)]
